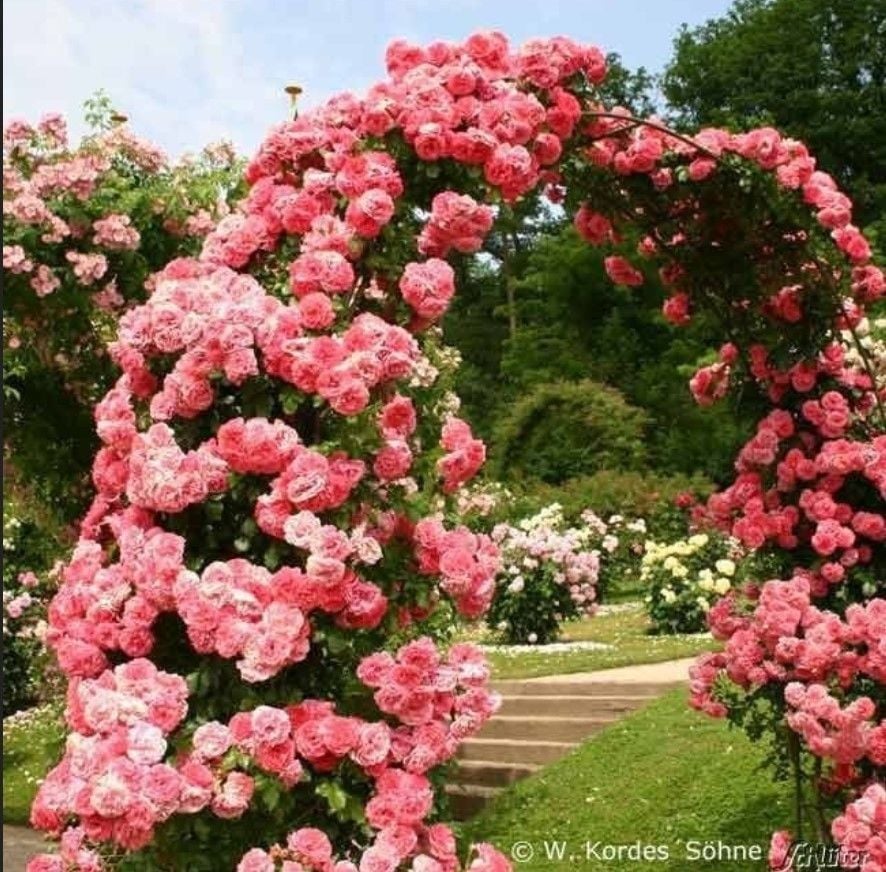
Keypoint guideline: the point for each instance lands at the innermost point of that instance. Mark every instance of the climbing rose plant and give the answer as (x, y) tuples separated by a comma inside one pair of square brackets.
[(84, 226), (235, 618)]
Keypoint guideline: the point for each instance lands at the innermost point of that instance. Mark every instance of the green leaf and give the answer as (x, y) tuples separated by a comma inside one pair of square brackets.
[(334, 794)]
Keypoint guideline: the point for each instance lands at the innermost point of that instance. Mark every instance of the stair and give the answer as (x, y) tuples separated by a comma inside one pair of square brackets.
[(540, 721)]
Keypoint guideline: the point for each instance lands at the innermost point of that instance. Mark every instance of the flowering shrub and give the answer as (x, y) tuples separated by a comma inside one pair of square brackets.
[(30, 541), (684, 578), (621, 543), (549, 575), (278, 415), (84, 226)]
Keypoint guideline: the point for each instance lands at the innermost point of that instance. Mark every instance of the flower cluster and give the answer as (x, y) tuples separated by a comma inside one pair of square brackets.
[(861, 830), (73, 856), (829, 730), (103, 607), (419, 688), (236, 610), (113, 775), (549, 574), (684, 578), (457, 222), (79, 200), (430, 849), (788, 640), (466, 562)]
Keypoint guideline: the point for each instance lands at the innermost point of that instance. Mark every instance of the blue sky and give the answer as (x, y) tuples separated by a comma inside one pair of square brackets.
[(191, 71)]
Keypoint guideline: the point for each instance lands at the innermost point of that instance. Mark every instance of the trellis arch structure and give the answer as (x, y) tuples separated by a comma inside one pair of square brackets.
[(275, 488)]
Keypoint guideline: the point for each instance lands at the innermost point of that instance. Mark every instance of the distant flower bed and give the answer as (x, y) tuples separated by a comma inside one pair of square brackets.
[(549, 575)]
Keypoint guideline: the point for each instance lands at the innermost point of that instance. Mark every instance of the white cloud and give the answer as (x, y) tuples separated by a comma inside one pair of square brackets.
[(177, 67)]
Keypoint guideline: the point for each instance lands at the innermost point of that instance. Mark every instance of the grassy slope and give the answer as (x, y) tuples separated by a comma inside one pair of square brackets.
[(33, 741), (625, 631), (663, 776)]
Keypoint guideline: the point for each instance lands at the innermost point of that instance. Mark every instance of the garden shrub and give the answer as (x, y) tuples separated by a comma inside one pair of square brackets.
[(33, 539), (566, 429), (84, 226), (548, 576), (683, 579)]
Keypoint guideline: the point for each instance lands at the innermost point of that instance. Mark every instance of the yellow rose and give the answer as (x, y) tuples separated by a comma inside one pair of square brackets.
[(722, 585), (725, 567)]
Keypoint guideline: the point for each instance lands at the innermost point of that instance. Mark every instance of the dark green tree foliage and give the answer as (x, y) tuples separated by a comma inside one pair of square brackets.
[(575, 323), (565, 429), (486, 315), (815, 69)]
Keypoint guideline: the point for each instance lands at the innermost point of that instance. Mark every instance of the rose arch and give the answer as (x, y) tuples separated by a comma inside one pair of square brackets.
[(247, 620)]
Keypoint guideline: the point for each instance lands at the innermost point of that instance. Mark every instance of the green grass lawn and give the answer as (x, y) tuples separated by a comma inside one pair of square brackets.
[(665, 776), (627, 632), (33, 742)]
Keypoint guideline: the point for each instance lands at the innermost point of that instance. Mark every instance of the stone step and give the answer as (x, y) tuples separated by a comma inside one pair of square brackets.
[(541, 687), (571, 705), (492, 773), (551, 729), (532, 751), (466, 800)]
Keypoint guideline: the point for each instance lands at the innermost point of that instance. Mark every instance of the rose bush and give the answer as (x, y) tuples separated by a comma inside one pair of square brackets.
[(260, 525), (84, 225), (549, 575), (684, 578)]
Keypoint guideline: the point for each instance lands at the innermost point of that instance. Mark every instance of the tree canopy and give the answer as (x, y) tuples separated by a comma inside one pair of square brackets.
[(826, 85)]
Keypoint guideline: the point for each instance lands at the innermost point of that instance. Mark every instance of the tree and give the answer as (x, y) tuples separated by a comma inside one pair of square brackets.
[(814, 69), (575, 323)]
